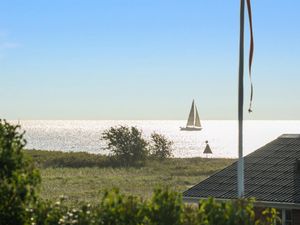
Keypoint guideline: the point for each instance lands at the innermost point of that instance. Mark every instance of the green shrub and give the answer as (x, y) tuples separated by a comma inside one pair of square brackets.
[(239, 211), (119, 209), (129, 147), (269, 217), (219, 213), (18, 177), (126, 144), (49, 213), (165, 208), (161, 147)]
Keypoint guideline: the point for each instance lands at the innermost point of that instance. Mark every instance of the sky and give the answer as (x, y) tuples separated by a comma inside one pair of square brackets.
[(145, 59)]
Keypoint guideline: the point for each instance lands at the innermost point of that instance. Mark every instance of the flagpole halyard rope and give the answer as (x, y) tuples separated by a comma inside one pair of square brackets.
[(251, 51)]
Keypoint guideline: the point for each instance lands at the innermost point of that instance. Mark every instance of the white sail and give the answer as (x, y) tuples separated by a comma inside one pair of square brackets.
[(197, 119), (193, 122), (191, 119)]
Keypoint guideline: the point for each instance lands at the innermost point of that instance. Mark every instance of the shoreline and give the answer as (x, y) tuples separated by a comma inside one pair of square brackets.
[(57, 158)]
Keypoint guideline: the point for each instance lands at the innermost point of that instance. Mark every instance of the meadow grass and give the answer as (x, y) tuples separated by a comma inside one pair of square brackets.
[(84, 177)]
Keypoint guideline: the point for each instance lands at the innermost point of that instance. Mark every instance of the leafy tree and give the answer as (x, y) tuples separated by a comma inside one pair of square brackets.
[(161, 147), (126, 144), (18, 177)]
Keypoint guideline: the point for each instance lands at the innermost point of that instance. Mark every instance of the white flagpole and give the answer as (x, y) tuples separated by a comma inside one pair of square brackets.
[(240, 169)]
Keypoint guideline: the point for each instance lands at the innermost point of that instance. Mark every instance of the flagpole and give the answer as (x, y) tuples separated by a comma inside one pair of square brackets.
[(240, 169)]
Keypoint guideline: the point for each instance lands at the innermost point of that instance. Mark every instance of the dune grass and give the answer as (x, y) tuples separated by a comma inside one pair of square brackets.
[(84, 177)]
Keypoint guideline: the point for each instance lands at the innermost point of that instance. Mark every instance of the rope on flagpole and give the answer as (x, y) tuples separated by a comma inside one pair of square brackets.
[(251, 51)]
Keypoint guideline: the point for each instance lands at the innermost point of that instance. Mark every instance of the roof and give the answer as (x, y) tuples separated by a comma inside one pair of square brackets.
[(271, 175)]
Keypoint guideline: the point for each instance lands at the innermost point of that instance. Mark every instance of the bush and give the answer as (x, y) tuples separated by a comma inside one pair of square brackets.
[(165, 207), (161, 147), (18, 177), (119, 209), (237, 212), (129, 147), (126, 144), (49, 213)]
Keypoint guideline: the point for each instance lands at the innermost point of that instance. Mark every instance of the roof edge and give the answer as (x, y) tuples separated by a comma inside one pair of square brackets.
[(278, 205), (269, 204), (289, 136)]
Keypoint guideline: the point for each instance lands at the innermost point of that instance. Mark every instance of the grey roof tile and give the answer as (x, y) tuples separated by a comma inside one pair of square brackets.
[(270, 174)]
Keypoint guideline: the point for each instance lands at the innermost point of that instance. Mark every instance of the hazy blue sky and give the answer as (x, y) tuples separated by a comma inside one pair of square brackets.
[(144, 59)]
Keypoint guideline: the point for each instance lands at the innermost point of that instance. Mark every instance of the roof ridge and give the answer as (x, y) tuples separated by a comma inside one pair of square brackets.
[(289, 136)]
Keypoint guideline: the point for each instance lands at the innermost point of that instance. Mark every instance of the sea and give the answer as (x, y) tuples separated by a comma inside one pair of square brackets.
[(222, 135)]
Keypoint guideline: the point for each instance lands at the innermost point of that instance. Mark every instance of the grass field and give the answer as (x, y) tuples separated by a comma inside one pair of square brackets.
[(84, 177)]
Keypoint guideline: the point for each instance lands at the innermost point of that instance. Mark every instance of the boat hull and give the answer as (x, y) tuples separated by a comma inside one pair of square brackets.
[(190, 128)]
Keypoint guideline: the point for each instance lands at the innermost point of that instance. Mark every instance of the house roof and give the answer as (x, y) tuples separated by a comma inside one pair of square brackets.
[(272, 174)]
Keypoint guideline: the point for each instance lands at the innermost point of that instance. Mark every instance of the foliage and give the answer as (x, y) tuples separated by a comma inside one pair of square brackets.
[(165, 207), (18, 177), (126, 144), (269, 216), (54, 159), (161, 147), (49, 213), (238, 212), (129, 147), (119, 209)]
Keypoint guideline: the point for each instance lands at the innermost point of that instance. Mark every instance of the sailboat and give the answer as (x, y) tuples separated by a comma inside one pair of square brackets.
[(193, 123)]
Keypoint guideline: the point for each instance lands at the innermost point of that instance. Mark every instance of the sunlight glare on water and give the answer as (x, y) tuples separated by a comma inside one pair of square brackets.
[(85, 135)]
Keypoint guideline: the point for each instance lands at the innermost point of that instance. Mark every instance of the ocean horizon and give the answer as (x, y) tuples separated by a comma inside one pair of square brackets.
[(85, 135)]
